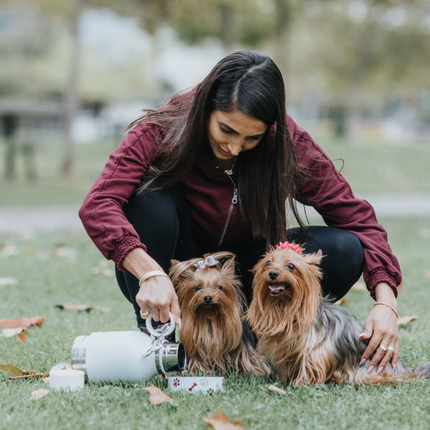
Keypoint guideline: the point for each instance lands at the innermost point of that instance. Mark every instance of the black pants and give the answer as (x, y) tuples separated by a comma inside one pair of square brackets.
[(161, 219)]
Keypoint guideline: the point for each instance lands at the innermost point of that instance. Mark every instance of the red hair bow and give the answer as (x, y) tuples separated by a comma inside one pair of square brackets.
[(293, 246)]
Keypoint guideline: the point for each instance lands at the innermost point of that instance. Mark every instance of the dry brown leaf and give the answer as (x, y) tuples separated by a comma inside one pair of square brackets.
[(22, 337), (276, 389), (38, 394), (359, 286), (22, 322), (221, 422), (14, 370), (406, 320), (81, 308), (156, 396), (341, 301)]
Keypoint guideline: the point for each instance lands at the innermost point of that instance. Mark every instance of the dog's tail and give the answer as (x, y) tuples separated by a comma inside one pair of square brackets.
[(421, 371)]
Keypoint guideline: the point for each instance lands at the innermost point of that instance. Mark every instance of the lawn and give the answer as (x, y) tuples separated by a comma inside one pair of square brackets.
[(55, 268)]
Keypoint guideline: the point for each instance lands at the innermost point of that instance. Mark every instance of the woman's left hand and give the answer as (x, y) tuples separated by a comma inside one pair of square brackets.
[(382, 331)]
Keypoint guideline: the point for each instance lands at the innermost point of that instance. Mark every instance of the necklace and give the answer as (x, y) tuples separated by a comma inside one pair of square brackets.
[(229, 172)]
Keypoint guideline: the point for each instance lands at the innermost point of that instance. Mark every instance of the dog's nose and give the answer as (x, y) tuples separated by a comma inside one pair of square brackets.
[(208, 299), (273, 275)]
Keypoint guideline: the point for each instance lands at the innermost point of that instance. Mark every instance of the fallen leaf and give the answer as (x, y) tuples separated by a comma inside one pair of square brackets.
[(341, 301), (7, 281), (22, 337), (156, 396), (32, 375), (81, 308), (46, 380), (20, 373), (221, 422), (102, 271), (64, 252), (12, 369), (11, 332), (38, 394), (406, 320), (22, 322), (276, 389), (359, 286)]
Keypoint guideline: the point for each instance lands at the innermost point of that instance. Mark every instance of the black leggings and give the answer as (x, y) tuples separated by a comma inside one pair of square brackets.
[(161, 219)]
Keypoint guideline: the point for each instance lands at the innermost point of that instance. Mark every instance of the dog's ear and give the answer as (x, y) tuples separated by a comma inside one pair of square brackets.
[(314, 258), (173, 262), (229, 265)]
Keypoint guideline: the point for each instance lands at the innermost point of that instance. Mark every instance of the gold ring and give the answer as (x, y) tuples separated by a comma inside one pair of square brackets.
[(383, 347), (390, 348), (144, 315)]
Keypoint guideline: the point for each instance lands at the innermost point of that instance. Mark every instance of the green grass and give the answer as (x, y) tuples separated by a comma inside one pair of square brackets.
[(45, 279), (370, 167)]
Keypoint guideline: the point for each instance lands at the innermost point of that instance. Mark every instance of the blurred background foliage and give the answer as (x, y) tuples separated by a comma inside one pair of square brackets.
[(78, 71)]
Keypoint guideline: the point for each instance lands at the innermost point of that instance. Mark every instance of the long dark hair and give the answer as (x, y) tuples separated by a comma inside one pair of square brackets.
[(268, 175)]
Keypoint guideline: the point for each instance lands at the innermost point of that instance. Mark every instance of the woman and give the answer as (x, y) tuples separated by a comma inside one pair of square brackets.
[(212, 170)]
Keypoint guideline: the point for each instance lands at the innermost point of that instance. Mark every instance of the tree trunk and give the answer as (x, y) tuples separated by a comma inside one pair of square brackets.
[(282, 28), (228, 27), (71, 95)]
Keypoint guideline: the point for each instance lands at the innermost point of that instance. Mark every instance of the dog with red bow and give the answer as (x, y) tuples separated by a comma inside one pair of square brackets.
[(307, 338)]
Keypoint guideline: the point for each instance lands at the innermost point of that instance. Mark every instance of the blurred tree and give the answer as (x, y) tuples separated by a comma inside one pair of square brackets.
[(361, 48)]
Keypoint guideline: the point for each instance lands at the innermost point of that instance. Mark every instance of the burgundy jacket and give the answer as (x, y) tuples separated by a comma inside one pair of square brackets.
[(214, 212)]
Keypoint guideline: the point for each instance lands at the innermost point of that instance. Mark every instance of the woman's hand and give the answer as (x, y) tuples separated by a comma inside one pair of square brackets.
[(157, 295), (382, 331)]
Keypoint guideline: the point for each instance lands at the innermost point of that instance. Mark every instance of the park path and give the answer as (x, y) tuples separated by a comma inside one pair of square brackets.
[(51, 218)]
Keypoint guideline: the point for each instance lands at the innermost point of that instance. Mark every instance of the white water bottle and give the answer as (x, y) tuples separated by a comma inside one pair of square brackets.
[(128, 356)]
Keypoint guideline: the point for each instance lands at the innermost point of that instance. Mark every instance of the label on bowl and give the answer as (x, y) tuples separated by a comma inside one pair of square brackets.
[(194, 384)]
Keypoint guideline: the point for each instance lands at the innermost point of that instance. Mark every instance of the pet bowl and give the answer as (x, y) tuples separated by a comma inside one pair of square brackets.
[(194, 384)]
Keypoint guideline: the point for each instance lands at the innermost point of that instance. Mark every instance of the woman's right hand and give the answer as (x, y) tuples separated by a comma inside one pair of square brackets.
[(157, 294), (156, 297)]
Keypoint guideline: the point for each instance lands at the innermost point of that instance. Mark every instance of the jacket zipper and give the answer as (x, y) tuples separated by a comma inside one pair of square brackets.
[(233, 202)]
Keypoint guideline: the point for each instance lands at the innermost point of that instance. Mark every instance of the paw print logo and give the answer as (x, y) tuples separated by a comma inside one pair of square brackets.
[(210, 391), (204, 382), (176, 382)]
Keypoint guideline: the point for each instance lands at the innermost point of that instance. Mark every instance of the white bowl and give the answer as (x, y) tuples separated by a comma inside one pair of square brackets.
[(194, 384)]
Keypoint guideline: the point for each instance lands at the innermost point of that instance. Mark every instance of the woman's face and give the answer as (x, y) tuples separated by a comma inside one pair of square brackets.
[(233, 132)]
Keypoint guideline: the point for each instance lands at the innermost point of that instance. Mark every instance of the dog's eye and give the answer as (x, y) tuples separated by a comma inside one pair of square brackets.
[(197, 288), (218, 287), (268, 263), (291, 266)]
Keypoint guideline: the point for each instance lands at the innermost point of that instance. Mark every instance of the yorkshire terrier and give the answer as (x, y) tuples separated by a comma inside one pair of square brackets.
[(212, 306), (306, 337)]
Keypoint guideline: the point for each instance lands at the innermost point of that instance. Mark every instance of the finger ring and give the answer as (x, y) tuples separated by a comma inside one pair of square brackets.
[(390, 348), (383, 347), (144, 315)]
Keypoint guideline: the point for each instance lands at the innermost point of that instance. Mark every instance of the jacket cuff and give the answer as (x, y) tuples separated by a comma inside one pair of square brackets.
[(378, 276), (122, 248)]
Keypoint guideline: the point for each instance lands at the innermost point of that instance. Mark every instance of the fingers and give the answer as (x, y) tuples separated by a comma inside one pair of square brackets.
[(156, 297), (383, 346), (176, 311)]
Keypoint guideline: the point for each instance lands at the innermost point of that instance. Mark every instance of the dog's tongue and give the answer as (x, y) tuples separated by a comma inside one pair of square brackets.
[(277, 288)]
